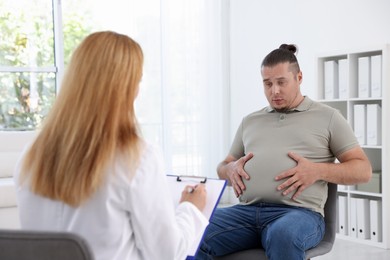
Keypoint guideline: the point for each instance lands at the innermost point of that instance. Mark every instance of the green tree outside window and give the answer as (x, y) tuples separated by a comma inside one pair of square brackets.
[(28, 74)]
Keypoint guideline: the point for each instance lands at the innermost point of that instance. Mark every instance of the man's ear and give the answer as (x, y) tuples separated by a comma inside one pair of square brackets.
[(300, 77)]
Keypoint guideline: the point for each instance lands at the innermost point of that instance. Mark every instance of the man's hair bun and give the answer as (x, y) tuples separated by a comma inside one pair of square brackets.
[(290, 47)]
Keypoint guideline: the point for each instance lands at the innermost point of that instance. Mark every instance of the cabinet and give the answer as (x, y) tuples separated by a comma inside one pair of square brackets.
[(357, 83)]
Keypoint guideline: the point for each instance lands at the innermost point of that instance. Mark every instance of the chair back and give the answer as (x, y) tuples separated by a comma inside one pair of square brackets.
[(32, 245), (330, 209)]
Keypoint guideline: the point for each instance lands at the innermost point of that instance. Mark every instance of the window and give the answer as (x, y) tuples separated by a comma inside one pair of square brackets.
[(27, 71), (180, 100)]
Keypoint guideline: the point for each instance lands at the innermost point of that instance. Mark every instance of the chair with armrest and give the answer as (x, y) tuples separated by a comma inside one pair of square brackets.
[(325, 246), (32, 245)]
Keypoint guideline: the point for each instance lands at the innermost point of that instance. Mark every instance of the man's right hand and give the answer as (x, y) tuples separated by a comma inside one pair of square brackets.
[(235, 172)]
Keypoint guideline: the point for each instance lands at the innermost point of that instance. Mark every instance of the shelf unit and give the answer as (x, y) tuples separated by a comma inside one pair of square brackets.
[(340, 77)]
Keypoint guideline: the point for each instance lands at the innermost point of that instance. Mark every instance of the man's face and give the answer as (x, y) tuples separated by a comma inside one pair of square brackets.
[(282, 86)]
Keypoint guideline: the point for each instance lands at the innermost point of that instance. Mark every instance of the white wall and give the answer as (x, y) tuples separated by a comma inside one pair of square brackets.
[(317, 27), (12, 144)]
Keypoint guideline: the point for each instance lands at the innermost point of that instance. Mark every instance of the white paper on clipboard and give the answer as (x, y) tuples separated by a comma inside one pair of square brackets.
[(214, 188)]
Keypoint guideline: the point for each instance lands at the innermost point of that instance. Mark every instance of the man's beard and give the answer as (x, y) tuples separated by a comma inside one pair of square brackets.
[(282, 110)]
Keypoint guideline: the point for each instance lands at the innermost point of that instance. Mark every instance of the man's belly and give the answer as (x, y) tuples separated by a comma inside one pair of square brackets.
[(262, 169)]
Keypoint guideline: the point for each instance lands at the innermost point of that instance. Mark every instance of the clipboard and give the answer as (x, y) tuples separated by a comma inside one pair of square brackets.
[(214, 188)]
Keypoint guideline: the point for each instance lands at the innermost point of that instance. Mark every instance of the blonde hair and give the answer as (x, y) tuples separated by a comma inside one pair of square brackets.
[(93, 117)]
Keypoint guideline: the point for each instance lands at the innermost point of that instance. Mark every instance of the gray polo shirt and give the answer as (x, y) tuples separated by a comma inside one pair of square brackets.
[(313, 130)]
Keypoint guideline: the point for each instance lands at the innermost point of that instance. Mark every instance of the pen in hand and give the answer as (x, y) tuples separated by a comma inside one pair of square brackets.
[(195, 194)]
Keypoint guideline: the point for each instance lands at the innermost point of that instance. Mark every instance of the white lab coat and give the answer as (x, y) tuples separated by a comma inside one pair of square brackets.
[(124, 219)]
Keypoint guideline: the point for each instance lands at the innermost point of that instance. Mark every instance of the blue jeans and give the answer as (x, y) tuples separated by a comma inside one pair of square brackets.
[(285, 232)]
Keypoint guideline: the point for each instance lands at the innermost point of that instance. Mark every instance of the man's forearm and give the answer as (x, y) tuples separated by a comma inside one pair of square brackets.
[(222, 170), (346, 173)]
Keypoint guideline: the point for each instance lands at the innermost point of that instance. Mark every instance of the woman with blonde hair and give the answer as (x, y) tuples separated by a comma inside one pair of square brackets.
[(89, 171)]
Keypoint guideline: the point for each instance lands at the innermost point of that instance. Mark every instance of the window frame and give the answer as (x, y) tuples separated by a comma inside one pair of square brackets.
[(58, 69), (58, 66)]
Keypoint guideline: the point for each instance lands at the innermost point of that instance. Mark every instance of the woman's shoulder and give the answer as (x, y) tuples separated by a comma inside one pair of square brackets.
[(151, 157), (150, 151)]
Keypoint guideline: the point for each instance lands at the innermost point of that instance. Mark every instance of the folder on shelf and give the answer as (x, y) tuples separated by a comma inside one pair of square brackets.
[(359, 122), (374, 126), (376, 76), (343, 78), (214, 188), (363, 218), (353, 218), (342, 215), (376, 220), (374, 185), (364, 77), (330, 79)]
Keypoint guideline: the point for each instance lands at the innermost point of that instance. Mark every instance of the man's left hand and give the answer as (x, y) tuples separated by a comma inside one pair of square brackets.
[(297, 178)]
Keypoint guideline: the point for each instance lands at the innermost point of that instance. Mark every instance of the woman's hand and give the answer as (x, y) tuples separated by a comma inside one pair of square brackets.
[(195, 194)]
